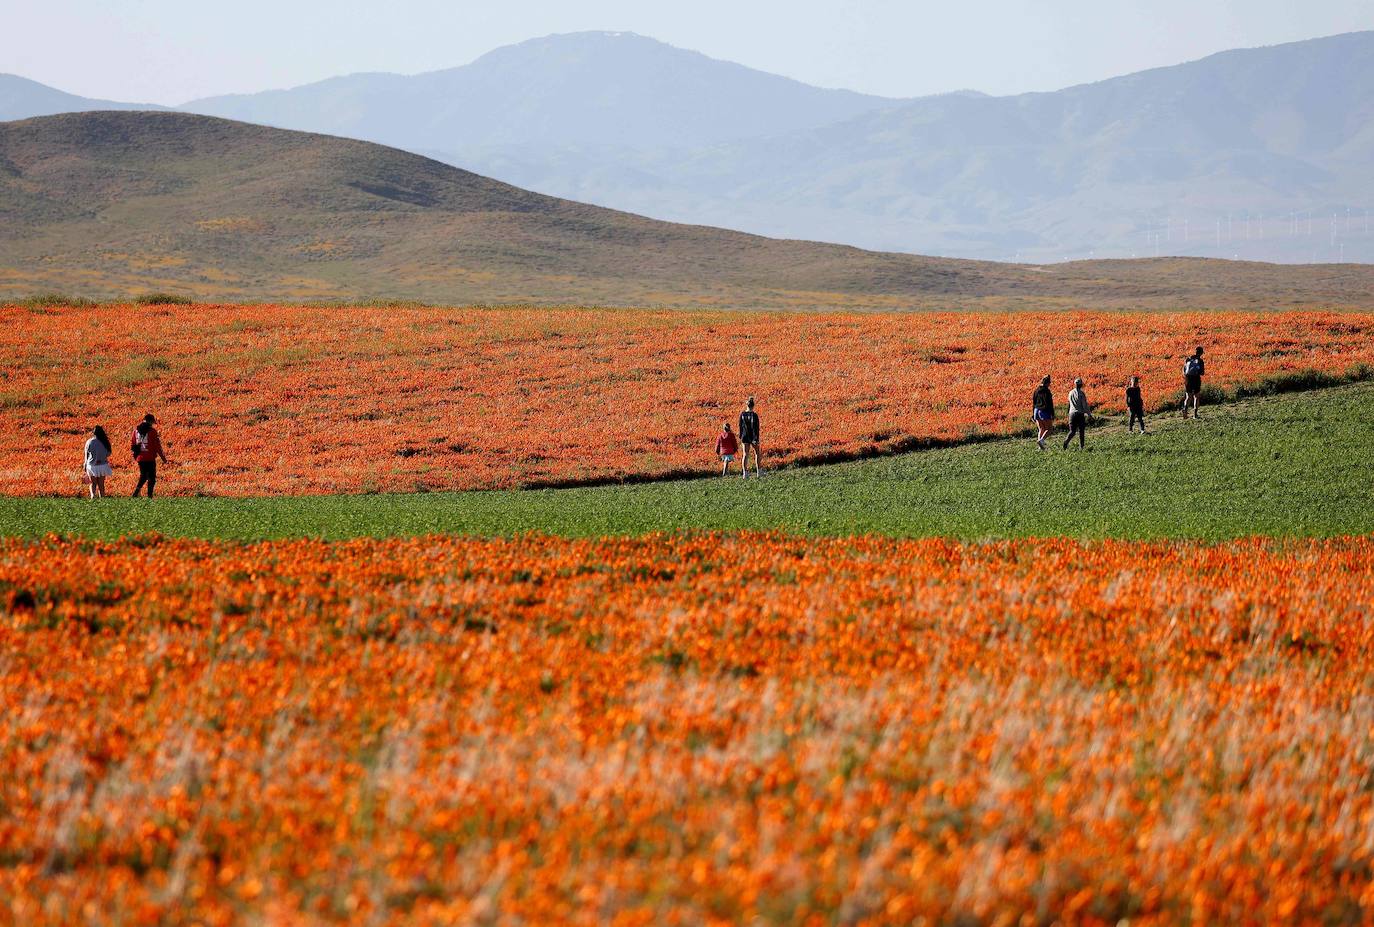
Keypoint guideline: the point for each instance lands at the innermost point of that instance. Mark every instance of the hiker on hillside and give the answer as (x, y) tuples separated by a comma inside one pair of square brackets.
[(1135, 405), (1079, 410), (1042, 410), (727, 446), (98, 467), (749, 438), (147, 449), (1193, 370)]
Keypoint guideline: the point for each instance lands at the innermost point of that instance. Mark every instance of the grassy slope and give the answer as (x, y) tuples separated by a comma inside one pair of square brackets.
[(1289, 465), (122, 203)]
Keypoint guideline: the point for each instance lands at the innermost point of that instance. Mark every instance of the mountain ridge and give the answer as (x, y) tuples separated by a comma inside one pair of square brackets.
[(1252, 154), (23, 98), (586, 88), (1106, 167)]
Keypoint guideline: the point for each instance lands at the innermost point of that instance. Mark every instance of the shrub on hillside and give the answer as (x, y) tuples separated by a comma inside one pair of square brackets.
[(45, 300), (163, 299)]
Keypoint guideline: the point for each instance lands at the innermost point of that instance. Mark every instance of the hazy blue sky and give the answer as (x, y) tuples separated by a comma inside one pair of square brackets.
[(169, 51)]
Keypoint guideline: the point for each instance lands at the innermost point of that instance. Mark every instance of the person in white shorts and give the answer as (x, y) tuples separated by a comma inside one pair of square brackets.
[(98, 461)]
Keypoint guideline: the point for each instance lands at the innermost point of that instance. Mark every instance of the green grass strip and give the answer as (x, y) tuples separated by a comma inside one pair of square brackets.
[(1294, 465)]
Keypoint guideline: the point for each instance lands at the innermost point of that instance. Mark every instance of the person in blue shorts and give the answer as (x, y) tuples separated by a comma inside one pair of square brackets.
[(727, 446)]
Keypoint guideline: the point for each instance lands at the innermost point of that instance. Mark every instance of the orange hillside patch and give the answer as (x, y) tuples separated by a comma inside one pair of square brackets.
[(285, 400), (436, 731)]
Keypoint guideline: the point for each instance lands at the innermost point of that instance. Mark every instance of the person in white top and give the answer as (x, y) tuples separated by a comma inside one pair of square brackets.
[(98, 461), (1079, 410)]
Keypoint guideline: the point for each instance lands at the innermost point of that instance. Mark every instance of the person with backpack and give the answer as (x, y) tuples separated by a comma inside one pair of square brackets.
[(749, 438), (1193, 369), (1135, 405), (98, 467), (147, 449), (1042, 410), (1079, 410), (727, 446)]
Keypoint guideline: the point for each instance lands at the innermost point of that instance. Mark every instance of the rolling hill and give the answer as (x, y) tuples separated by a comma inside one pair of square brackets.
[(116, 203)]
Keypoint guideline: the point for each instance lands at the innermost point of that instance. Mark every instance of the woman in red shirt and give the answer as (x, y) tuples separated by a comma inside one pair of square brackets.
[(727, 446), (147, 448)]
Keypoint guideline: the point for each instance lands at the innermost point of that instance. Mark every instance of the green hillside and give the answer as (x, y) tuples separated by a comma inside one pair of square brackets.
[(1289, 465)]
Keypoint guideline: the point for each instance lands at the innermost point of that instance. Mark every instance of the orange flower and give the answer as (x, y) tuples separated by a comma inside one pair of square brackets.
[(277, 400), (685, 730)]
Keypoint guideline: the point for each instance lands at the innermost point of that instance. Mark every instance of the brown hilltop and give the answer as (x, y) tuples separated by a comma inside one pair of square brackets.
[(115, 203)]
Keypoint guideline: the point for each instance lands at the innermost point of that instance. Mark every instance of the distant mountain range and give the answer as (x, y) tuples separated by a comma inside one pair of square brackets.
[(584, 91), (1261, 154), (118, 203)]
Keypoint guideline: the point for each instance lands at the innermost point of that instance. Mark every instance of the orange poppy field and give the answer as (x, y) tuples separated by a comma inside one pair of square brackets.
[(686, 730), (286, 400)]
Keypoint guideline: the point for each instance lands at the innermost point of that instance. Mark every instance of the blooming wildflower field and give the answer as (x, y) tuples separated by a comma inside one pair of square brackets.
[(601, 723), (686, 729), (291, 400)]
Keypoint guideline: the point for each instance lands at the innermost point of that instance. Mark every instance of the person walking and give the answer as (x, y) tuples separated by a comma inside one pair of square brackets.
[(1193, 370), (1079, 410), (147, 450), (749, 438), (98, 467), (1042, 411), (1135, 405), (727, 446)]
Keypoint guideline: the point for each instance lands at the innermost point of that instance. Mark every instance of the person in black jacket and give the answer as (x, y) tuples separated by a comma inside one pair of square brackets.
[(1194, 368), (1042, 411), (1135, 405), (749, 438)]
